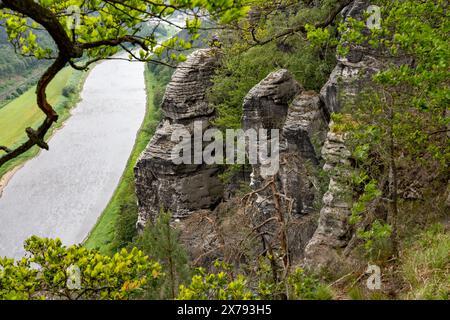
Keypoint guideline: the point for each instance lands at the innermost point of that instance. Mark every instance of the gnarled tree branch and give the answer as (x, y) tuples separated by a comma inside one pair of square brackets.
[(302, 28)]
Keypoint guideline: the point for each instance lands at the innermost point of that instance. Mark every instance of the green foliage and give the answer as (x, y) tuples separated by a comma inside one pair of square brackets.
[(68, 90), (160, 241), (99, 20), (17, 73), (320, 36), (216, 286), (245, 66), (270, 285), (399, 123), (295, 284), (225, 285), (417, 94), (376, 239), (47, 271), (355, 293), (163, 75), (308, 287), (358, 293), (242, 71), (371, 192)]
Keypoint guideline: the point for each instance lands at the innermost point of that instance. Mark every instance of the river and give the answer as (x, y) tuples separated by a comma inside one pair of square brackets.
[(62, 192)]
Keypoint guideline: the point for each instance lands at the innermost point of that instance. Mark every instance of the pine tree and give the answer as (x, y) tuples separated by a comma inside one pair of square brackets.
[(160, 241)]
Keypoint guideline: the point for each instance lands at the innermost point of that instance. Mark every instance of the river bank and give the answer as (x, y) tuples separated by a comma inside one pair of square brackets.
[(6, 177)]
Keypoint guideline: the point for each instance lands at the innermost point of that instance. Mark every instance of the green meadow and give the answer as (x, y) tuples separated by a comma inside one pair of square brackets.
[(23, 112)]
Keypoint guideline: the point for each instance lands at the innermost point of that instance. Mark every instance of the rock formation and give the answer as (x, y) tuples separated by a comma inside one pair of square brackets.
[(160, 183), (185, 96), (354, 71), (347, 81), (318, 230), (303, 135), (334, 231), (266, 105), (279, 102)]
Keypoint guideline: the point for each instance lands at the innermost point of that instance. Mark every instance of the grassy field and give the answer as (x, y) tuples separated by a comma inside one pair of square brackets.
[(102, 235), (23, 112), (425, 265)]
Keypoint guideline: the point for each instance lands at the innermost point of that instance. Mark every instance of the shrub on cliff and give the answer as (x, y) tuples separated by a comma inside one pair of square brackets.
[(52, 271)]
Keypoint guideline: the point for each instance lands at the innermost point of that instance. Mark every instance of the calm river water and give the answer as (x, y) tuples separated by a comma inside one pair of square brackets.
[(62, 192)]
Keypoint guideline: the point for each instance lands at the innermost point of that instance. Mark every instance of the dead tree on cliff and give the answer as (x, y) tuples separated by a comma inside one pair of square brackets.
[(273, 231)]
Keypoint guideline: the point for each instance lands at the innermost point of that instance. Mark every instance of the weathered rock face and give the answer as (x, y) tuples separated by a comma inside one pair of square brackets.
[(160, 182), (305, 127), (278, 102), (352, 72), (185, 94), (266, 105), (334, 231), (303, 135), (347, 81)]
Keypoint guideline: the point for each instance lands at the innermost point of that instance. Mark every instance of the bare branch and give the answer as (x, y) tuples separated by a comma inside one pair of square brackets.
[(115, 42)]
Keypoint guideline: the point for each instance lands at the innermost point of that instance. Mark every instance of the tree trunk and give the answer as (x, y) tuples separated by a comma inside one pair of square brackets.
[(393, 184)]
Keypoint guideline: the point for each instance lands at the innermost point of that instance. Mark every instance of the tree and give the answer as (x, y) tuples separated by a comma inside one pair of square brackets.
[(399, 125), (50, 270), (221, 285), (85, 32), (161, 242)]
